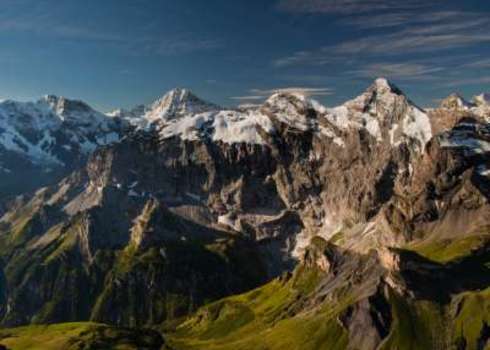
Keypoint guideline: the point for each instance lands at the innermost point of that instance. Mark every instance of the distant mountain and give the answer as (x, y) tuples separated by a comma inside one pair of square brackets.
[(360, 224), (175, 103), (45, 140), (482, 100)]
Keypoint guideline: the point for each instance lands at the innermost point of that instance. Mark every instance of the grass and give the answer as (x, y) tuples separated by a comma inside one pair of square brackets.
[(71, 336), (264, 318), (416, 325), (443, 251), (471, 312)]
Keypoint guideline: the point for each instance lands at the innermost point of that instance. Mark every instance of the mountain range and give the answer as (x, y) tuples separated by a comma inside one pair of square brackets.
[(185, 225)]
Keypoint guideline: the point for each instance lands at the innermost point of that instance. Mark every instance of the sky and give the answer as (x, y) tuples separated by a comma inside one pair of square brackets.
[(120, 53)]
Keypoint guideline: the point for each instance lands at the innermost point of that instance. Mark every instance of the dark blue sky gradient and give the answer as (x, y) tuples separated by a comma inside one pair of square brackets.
[(119, 53)]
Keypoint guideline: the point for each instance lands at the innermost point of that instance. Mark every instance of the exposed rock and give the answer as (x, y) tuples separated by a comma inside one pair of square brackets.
[(179, 206)]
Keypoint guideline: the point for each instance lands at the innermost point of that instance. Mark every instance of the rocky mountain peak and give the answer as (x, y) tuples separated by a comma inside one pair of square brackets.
[(380, 96), (131, 115), (177, 102), (64, 106), (287, 101), (385, 113), (482, 99), (383, 85), (293, 108), (455, 101)]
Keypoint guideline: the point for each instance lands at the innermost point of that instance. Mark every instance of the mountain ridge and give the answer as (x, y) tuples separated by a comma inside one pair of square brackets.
[(208, 204)]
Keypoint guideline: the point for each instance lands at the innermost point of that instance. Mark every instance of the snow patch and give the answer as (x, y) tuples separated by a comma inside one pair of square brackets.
[(483, 170), (473, 145), (417, 125)]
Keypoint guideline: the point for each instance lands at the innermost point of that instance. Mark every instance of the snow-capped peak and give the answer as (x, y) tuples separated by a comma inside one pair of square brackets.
[(455, 101), (177, 102), (482, 99), (293, 108), (63, 106), (378, 99), (384, 112), (53, 128), (384, 85), (130, 115)]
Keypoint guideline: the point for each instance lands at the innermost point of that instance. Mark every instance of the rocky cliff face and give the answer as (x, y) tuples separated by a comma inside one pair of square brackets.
[(423, 297), (43, 141), (199, 203)]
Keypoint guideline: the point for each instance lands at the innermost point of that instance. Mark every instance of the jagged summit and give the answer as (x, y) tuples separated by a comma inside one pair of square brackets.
[(385, 113), (455, 101), (384, 85), (482, 99), (381, 93), (54, 130), (178, 102), (174, 104), (283, 99), (131, 115), (62, 105), (213, 202)]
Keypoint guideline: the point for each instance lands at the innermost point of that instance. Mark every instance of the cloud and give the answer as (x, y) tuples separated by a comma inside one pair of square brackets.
[(485, 63), (411, 71), (394, 19), (306, 91), (318, 58), (43, 22), (468, 81), (428, 32), (262, 94), (349, 6), (247, 98), (410, 42), (249, 105)]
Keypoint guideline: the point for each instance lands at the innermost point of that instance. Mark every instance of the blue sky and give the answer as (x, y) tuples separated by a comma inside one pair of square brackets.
[(119, 53)]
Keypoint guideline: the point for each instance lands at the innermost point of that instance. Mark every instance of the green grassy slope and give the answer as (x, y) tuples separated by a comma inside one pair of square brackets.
[(71, 336), (263, 319), (293, 313)]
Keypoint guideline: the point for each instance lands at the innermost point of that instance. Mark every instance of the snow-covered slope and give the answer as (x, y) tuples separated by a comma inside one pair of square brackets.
[(482, 106), (54, 130), (456, 101), (482, 99), (176, 103), (383, 111), (479, 105)]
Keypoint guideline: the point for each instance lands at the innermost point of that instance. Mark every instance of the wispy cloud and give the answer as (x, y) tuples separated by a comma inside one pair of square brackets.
[(306, 91), (468, 81), (261, 94), (485, 63), (411, 71), (44, 23), (410, 42), (349, 6), (404, 18), (247, 98), (428, 32), (318, 58)]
